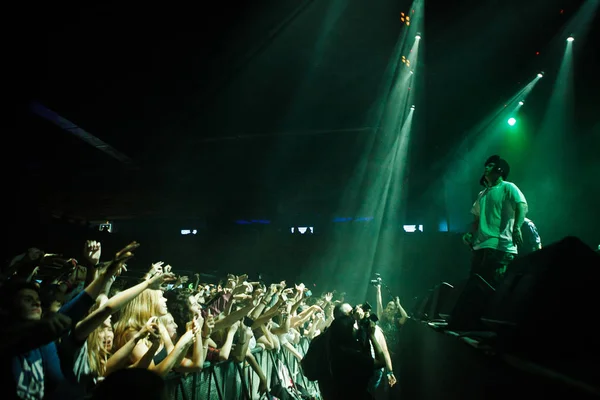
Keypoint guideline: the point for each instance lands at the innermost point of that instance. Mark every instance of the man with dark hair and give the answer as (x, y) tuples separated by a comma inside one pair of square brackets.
[(28, 353), (499, 212), (342, 309)]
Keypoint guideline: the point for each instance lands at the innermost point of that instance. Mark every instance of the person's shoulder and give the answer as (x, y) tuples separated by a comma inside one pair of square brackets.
[(510, 185)]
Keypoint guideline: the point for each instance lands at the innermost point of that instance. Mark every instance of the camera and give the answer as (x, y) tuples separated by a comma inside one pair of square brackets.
[(366, 307), (377, 281)]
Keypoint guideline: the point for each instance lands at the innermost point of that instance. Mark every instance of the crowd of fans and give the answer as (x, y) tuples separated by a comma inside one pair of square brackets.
[(69, 325)]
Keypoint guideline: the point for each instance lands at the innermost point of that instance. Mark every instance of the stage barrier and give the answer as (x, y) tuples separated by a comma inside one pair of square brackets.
[(230, 380)]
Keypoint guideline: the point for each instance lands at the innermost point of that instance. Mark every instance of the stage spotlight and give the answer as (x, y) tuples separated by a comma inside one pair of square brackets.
[(512, 121), (541, 74), (418, 36), (412, 72), (412, 107), (521, 102), (570, 39)]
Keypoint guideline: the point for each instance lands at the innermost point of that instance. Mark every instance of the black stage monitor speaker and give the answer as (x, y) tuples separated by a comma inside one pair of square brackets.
[(450, 300), (547, 306), (430, 306), (468, 305), (420, 308), (439, 297)]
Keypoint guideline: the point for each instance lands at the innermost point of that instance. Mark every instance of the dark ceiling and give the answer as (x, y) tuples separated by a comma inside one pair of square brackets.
[(258, 107)]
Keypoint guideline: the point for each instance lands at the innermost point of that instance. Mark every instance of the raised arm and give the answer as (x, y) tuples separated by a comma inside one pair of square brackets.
[(173, 359), (120, 359), (233, 317), (198, 353), (403, 314), (114, 268), (379, 302), (21, 337), (305, 315), (148, 358), (115, 303)]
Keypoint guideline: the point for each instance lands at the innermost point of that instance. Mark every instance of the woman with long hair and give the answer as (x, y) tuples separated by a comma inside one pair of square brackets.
[(90, 345), (391, 319), (165, 357), (99, 345)]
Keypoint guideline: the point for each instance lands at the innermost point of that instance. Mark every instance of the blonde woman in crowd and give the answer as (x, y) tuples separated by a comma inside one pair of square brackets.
[(90, 344), (134, 316)]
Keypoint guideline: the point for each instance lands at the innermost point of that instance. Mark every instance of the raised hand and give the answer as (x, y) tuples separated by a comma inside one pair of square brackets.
[(150, 327), (209, 325), (126, 253), (328, 297), (156, 282), (300, 287), (154, 339), (115, 269), (258, 292), (248, 286), (92, 251), (391, 379), (151, 331), (117, 265), (156, 268), (188, 338), (198, 297), (316, 308), (199, 323), (191, 326), (240, 279)]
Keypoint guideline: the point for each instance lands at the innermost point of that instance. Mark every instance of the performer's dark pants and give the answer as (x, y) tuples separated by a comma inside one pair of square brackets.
[(491, 264)]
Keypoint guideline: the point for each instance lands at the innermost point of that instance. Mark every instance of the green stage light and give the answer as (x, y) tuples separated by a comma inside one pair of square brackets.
[(512, 121)]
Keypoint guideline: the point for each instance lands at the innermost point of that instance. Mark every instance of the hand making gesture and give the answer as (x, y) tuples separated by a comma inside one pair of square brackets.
[(91, 252)]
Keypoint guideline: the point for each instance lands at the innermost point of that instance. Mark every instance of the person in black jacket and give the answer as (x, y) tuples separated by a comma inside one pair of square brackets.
[(342, 359)]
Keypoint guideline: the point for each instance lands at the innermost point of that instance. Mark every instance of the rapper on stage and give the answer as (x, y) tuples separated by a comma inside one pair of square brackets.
[(499, 212)]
